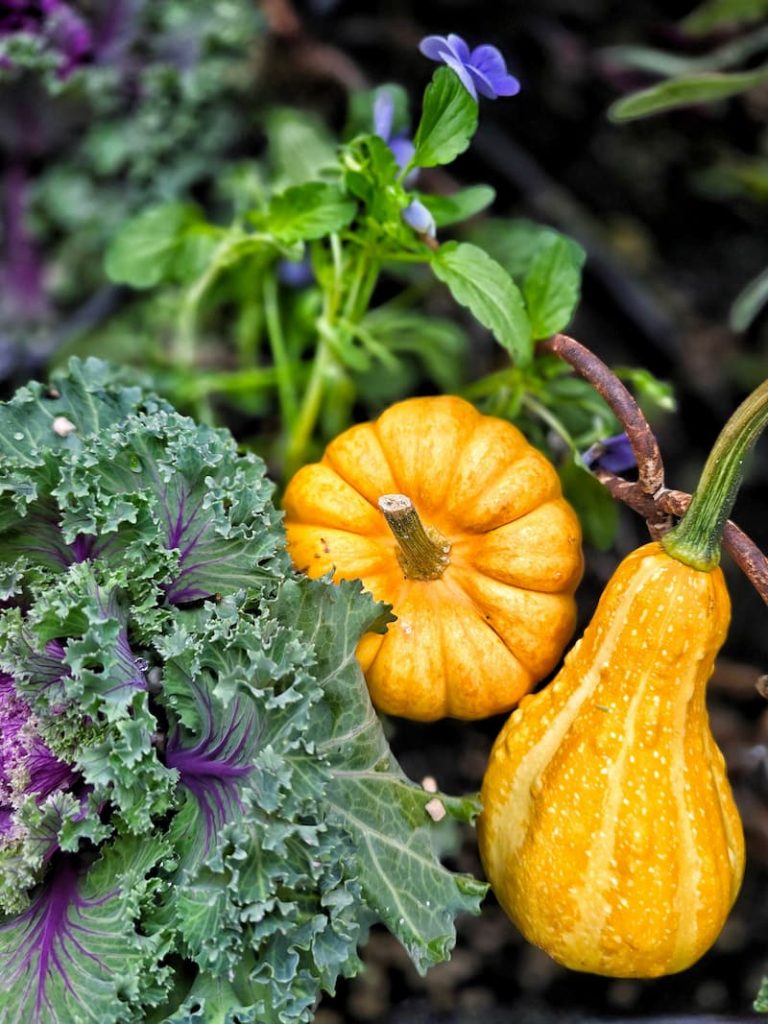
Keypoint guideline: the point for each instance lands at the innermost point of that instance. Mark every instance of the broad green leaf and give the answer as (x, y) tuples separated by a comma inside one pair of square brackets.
[(300, 147), (552, 286), (482, 285), (685, 92), (448, 121), (713, 15), (461, 205), (513, 243), (596, 509), (749, 303), (309, 211), (164, 243)]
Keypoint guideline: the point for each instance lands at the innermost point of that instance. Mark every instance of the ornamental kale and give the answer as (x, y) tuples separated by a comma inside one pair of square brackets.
[(200, 816)]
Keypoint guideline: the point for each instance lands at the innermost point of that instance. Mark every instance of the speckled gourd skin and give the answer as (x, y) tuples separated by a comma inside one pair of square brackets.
[(609, 832), (471, 643)]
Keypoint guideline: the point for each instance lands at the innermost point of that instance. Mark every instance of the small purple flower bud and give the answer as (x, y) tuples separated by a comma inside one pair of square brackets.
[(417, 216), (401, 145), (482, 70), (613, 454), (295, 274)]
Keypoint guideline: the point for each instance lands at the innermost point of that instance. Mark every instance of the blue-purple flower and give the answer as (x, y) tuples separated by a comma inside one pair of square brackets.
[(401, 145), (295, 273), (482, 70), (613, 454), (417, 216)]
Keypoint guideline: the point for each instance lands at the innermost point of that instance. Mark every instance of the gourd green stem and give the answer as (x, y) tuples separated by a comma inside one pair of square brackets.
[(697, 538)]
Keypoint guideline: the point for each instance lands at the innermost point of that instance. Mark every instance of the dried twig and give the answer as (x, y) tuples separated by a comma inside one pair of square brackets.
[(647, 495), (628, 412)]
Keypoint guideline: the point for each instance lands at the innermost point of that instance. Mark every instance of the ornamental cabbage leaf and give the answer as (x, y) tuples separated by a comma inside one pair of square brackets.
[(200, 816)]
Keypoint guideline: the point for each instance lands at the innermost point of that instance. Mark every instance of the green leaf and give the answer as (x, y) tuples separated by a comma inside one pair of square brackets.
[(596, 509), (438, 344), (163, 243), (552, 286), (650, 392), (714, 15), (451, 209), (685, 92), (482, 285), (749, 303), (309, 211), (448, 121), (668, 65), (300, 147), (761, 999), (75, 955), (514, 243), (383, 812)]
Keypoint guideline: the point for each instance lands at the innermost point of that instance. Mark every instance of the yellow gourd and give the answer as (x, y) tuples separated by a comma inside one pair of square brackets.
[(609, 832), (482, 590)]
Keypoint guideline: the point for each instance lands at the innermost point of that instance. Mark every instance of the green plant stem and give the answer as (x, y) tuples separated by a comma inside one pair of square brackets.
[(286, 389), (309, 411), (535, 407), (354, 307), (185, 342), (697, 538)]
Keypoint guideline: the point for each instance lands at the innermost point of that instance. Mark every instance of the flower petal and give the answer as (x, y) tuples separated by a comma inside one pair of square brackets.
[(506, 85), (417, 216), (613, 454), (484, 85), (434, 47), (403, 149), (463, 73), (489, 60), (383, 115), (459, 47)]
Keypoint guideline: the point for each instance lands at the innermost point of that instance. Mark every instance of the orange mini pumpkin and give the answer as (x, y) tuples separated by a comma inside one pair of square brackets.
[(458, 523)]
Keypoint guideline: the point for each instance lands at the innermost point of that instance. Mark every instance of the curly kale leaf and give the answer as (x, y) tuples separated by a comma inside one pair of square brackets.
[(75, 955), (200, 816), (92, 471)]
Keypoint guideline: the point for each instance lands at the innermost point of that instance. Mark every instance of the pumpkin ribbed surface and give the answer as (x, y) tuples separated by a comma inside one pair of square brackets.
[(473, 641), (609, 832)]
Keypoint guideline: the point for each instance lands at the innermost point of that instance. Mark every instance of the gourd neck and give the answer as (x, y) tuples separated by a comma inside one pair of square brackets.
[(697, 538), (422, 552)]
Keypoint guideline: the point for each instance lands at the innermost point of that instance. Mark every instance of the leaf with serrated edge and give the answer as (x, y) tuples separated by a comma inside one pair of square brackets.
[(482, 285)]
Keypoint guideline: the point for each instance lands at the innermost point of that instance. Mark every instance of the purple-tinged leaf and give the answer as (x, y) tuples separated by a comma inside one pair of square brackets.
[(212, 766), (75, 954)]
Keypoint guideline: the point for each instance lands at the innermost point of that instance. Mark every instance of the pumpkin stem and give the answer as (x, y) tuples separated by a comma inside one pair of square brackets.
[(422, 552), (697, 538)]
